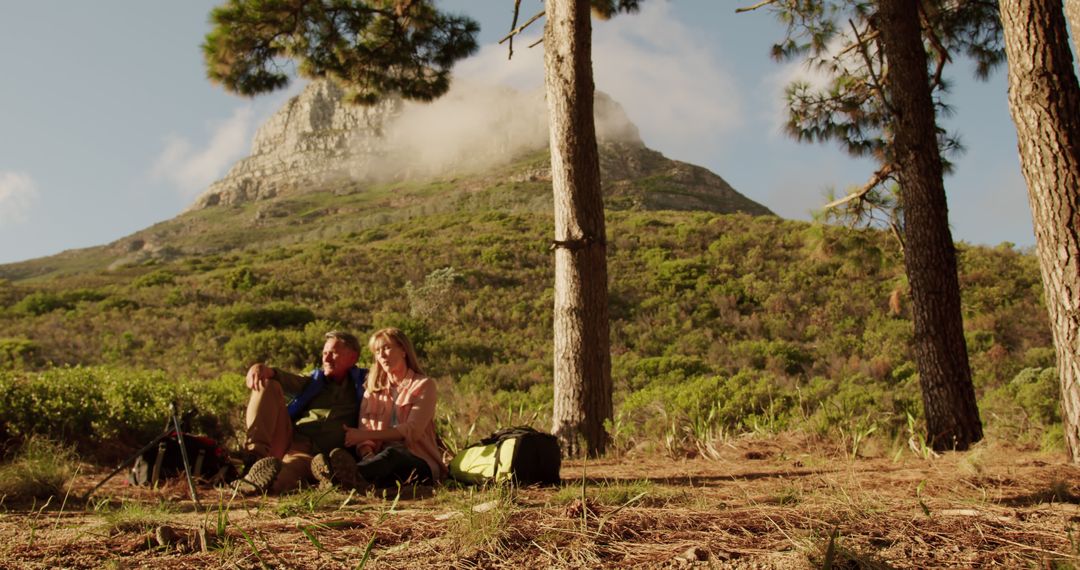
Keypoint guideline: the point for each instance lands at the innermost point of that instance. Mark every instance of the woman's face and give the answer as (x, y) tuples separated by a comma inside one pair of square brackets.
[(389, 354)]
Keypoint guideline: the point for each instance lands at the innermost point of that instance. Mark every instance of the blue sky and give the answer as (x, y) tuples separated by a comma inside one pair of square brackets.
[(108, 125)]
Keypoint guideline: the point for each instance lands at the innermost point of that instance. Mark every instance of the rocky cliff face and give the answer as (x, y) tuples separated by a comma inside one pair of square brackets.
[(315, 138), (312, 138)]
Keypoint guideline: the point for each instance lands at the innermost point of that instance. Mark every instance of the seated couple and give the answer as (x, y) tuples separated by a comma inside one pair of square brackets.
[(345, 424)]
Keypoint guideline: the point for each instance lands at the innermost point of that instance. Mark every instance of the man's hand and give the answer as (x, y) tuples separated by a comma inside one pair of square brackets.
[(258, 375)]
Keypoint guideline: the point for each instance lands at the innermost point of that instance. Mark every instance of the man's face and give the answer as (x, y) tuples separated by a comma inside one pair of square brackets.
[(337, 358)]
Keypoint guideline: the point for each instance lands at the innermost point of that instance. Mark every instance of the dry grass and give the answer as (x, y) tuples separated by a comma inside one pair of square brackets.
[(761, 503)]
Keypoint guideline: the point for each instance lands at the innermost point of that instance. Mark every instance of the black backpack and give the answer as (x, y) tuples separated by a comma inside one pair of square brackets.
[(207, 459), (521, 454)]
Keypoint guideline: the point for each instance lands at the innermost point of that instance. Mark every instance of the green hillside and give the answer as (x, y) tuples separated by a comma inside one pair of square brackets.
[(721, 322)]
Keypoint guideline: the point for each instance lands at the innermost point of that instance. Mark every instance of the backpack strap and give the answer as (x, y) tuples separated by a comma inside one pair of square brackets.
[(313, 388), (318, 382)]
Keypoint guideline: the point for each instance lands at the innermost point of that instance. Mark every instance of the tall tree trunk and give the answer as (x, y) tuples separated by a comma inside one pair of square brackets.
[(582, 343), (952, 416), (1044, 99)]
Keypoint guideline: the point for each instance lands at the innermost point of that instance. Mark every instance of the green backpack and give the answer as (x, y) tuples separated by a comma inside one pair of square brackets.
[(519, 454)]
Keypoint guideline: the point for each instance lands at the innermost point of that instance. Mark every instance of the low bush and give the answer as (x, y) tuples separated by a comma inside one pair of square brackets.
[(276, 315), (106, 411), (16, 352), (41, 302)]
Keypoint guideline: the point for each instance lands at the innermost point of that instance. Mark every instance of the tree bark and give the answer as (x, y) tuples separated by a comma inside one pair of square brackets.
[(952, 416), (582, 342), (1044, 100)]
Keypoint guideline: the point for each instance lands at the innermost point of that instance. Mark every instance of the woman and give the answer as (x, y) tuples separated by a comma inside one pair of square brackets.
[(396, 439)]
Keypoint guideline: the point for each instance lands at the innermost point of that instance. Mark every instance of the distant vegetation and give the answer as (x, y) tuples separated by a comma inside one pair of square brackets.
[(721, 324)]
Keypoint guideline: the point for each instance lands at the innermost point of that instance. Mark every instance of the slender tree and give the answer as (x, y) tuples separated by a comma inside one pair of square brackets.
[(883, 62), (379, 48), (582, 348), (582, 344), (1044, 100), (952, 417)]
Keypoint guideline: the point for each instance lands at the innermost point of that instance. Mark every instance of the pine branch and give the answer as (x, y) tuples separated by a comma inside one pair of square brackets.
[(513, 24), (939, 48), (875, 81), (761, 4), (880, 176), (522, 27)]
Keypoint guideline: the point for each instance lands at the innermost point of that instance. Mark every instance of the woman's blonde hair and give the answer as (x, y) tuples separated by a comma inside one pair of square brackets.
[(378, 380)]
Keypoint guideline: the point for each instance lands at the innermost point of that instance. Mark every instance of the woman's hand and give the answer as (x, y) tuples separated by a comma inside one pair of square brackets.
[(353, 436)]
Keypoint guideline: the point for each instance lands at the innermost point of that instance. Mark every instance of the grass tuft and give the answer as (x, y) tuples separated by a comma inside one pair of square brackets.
[(133, 516), (39, 470)]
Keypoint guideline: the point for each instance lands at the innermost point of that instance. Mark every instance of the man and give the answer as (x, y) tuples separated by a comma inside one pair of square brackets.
[(284, 435)]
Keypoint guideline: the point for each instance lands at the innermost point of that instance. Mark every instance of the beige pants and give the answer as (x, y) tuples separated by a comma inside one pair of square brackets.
[(270, 433)]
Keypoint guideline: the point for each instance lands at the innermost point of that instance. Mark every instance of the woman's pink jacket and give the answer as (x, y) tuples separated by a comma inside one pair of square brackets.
[(416, 420)]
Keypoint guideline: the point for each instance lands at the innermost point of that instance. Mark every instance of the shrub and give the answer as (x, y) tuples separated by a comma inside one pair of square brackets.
[(43, 302), (274, 315), (241, 279), (433, 296), (108, 410), (289, 349), (155, 278), (18, 352), (1038, 392)]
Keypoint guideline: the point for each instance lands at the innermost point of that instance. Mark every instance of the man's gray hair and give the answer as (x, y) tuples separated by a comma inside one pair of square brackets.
[(349, 340)]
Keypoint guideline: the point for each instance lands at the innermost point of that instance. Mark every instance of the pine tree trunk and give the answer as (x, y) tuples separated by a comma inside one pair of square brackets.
[(582, 344), (952, 416), (1044, 99)]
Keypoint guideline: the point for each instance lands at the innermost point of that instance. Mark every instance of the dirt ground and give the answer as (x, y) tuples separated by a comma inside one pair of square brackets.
[(782, 502)]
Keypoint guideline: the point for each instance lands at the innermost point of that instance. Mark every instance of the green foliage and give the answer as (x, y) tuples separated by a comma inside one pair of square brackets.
[(17, 351), (290, 349), (738, 402), (374, 49), (241, 279), (91, 406), (274, 315), (1038, 392), (155, 279), (779, 324), (41, 302)]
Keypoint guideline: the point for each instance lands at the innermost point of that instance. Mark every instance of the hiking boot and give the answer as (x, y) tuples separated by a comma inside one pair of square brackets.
[(320, 469), (335, 468), (343, 468), (260, 477)]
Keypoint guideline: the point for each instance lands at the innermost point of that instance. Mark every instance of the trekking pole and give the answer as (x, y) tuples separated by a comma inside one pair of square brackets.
[(127, 462), (183, 454)]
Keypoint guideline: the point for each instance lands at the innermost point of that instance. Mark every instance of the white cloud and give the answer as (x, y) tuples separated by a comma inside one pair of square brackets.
[(490, 66), (682, 98), (191, 169), (17, 194)]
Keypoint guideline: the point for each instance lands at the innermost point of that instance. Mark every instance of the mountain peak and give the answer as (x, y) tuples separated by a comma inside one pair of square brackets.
[(316, 138)]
